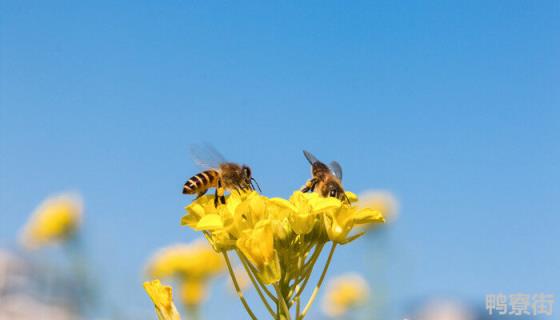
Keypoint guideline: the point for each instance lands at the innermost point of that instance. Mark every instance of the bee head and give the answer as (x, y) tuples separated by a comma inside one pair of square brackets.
[(246, 172), (248, 178), (333, 189)]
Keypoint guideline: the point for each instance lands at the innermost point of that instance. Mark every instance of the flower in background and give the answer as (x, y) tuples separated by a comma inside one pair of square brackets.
[(345, 293), (162, 297), (55, 220), (381, 201), (192, 265)]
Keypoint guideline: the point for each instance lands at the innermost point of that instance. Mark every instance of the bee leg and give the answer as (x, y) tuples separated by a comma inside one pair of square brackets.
[(242, 187), (216, 199), (309, 185), (238, 189), (201, 193), (219, 194)]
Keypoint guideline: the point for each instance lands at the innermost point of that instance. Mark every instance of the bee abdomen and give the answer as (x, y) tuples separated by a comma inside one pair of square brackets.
[(200, 182)]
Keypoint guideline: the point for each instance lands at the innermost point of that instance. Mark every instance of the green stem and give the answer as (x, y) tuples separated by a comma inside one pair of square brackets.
[(237, 289), (284, 313), (298, 306), (311, 262), (194, 313), (246, 263), (256, 284), (319, 283), (307, 273)]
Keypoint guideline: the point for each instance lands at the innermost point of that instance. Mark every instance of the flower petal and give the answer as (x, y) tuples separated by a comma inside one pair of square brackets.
[(162, 297), (210, 222), (322, 204), (352, 197), (368, 215)]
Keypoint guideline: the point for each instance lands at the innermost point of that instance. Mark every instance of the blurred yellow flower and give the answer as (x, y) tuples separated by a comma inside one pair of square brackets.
[(193, 292), (193, 260), (381, 201), (55, 220), (162, 297), (345, 293), (192, 265)]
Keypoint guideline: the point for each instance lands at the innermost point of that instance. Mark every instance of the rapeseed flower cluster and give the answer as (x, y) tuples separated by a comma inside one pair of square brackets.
[(279, 240)]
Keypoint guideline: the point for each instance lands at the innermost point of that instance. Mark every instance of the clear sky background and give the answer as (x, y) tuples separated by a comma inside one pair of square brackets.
[(454, 107)]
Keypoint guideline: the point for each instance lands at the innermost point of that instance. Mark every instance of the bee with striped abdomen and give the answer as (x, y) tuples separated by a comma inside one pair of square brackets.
[(219, 174), (325, 180)]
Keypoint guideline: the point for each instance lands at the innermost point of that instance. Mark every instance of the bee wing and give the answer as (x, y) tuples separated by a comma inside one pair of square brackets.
[(311, 158), (336, 169), (206, 156)]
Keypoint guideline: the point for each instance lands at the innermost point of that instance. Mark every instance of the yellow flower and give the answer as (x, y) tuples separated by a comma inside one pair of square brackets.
[(202, 215), (162, 297), (302, 218), (339, 221), (352, 197), (278, 241), (247, 213), (194, 260), (344, 294), (55, 220), (258, 246), (278, 212)]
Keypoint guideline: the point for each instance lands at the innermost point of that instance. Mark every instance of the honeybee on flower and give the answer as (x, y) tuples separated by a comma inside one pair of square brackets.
[(218, 173), (279, 241), (326, 180)]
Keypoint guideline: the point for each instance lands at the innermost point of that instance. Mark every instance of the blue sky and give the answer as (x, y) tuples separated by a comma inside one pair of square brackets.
[(454, 107)]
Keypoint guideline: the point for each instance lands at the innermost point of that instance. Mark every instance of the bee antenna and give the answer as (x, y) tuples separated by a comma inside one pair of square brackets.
[(259, 187), (346, 199)]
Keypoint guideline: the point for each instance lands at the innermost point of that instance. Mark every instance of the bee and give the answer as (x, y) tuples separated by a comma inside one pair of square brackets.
[(219, 174), (325, 180)]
